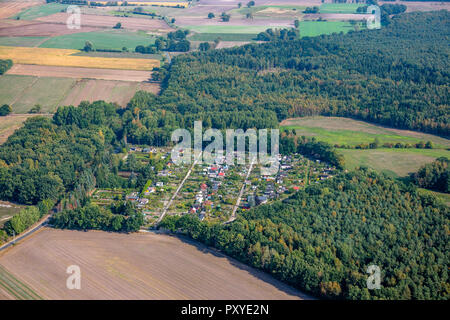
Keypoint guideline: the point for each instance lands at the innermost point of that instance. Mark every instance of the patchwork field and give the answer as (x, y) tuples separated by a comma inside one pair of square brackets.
[(24, 92), (66, 58), (22, 41), (119, 92), (22, 28), (337, 130), (133, 266), (102, 21), (10, 8), (340, 7), (77, 73), (393, 161), (316, 28), (110, 40), (41, 11)]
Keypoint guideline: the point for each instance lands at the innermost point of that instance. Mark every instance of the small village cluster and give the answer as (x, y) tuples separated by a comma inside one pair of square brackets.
[(212, 191)]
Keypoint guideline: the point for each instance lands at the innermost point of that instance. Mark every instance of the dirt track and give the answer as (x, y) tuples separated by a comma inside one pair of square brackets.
[(80, 73), (134, 266)]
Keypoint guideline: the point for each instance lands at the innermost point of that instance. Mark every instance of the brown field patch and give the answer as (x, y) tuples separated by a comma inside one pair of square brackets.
[(19, 28), (135, 266), (80, 73), (231, 44), (10, 8), (119, 92), (100, 21)]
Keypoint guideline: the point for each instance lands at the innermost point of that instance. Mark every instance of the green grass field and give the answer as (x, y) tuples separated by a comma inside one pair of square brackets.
[(47, 92), (23, 92), (230, 29), (112, 39), (21, 41), (12, 86), (340, 7), (223, 36), (392, 161), (317, 28), (345, 131), (41, 11)]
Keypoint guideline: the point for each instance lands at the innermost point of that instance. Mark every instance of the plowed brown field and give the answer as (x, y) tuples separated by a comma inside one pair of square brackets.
[(134, 266)]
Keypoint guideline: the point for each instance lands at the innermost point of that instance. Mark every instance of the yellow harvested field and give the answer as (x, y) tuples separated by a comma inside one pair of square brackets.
[(150, 3), (65, 58)]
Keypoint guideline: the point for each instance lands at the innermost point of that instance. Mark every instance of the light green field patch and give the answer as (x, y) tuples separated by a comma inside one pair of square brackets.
[(110, 40), (316, 28), (21, 41), (231, 29), (12, 86), (345, 131), (47, 92), (340, 7), (41, 11), (393, 162)]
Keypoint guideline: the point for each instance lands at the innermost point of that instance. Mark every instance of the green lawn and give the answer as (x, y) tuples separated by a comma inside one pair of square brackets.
[(21, 41), (317, 28), (340, 7), (41, 11), (230, 29), (112, 39), (223, 36)]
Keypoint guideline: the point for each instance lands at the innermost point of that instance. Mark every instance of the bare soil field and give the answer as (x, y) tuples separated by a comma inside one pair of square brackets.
[(80, 73), (119, 92), (100, 21), (134, 266), (10, 8), (231, 44), (22, 28)]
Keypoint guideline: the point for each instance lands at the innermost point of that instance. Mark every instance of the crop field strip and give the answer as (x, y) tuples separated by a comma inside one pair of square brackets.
[(136, 266), (66, 58), (15, 287)]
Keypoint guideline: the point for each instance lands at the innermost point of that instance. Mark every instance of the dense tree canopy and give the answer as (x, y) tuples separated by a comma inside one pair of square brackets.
[(323, 238), (397, 76)]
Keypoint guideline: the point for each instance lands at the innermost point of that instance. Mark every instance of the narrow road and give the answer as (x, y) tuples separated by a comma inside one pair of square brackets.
[(35, 228), (178, 189), (238, 201)]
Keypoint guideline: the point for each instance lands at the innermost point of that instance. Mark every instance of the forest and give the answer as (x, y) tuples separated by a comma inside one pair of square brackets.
[(322, 239), (434, 176), (396, 76)]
